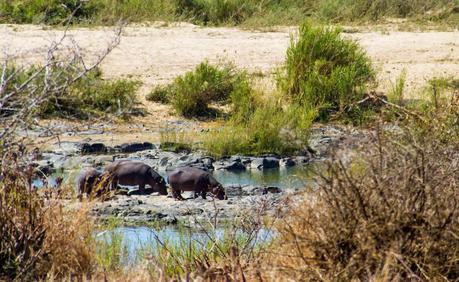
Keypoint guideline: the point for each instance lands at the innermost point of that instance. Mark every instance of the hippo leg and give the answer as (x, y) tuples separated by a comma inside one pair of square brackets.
[(142, 189), (195, 194), (177, 194), (114, 184), (203, 194)]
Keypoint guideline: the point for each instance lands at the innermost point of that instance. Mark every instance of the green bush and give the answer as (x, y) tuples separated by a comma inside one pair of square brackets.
[(224, 12), (46, 11), (159, 94), (87, 97), (270, 129), (192, 93), (324, 71)]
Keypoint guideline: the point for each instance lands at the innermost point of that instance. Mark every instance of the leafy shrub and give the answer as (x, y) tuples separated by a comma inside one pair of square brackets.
[(46, 11), (324, 71), (393, 214), (192, 93), (89, 96), (159, 94), (223, 12)]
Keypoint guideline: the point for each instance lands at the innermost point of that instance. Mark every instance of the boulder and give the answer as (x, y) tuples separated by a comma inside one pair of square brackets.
[(229, 165), (264, 163), (287, 162), (135, 147), (94, 148)]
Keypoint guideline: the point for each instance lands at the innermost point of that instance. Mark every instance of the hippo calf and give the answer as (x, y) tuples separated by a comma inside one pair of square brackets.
[(194, 179), (128, 172), (87, 180)]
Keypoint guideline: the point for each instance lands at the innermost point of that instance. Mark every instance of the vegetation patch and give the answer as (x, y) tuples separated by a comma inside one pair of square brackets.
[(269, 129), (89, 96), (324, 71), (251, 13), (192, 93), (391, 214)]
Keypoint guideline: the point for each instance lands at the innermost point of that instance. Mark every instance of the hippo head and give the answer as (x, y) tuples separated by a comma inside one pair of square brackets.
[(160, 186), (219, 192)]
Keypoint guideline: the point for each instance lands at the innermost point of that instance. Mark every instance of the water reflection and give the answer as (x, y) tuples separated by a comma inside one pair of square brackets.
[(292, 177), (138, 240)]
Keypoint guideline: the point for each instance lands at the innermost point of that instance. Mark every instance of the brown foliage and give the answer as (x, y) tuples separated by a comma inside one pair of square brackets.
[(392, 215)]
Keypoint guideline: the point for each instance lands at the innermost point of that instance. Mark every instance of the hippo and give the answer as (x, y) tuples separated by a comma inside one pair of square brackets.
[(194, 179), (128, 172), (87, 180)]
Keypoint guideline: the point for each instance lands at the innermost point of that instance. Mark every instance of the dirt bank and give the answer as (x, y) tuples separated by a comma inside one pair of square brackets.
[(155, 55)]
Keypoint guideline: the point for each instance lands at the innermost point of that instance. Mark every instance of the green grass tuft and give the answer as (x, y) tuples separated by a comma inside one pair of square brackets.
[(324, 71)]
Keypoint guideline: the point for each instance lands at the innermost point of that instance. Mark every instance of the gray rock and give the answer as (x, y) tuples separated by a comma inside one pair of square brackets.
[(287, 162), (256, 163), (229, 165), (264, 163), (270, 162), (135, 147), (302, 160), (95, 148)]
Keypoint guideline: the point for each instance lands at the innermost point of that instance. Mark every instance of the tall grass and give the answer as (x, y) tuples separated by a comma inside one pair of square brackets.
[(250, 13), (39, 238), (397, 92), (391, 215), (324, 71)]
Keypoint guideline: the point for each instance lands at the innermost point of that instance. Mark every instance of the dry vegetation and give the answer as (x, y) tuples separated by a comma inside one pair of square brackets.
[(390, 213)]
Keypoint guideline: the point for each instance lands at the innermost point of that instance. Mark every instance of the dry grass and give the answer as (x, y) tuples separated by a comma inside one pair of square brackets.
[(391, 215), (39, 239)]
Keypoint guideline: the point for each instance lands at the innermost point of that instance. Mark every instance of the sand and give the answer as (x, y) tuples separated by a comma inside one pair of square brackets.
[(156, 55)]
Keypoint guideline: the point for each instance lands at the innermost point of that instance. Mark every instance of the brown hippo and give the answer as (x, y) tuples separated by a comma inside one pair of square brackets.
[(196, 180), (128, 172), (87, 181)]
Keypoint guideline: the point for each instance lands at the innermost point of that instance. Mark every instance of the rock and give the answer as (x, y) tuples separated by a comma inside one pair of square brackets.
[(123, 192), (271, 189), (194, 211), (95, 148), (256, 163), (229, 165), (135, 147), (208, 162), (287, 162), (302, 160), (270, 162), (148, 191), (264, 163)]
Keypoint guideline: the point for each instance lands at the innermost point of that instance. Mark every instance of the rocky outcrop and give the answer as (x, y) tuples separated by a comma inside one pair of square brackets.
[(242, 200)]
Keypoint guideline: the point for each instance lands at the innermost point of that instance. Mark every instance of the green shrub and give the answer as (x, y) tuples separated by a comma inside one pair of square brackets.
[(159, 94), (192, 93), (92, 96), (324, 71), (223, 12), (89, 96), (270, 129), (46, 11)]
